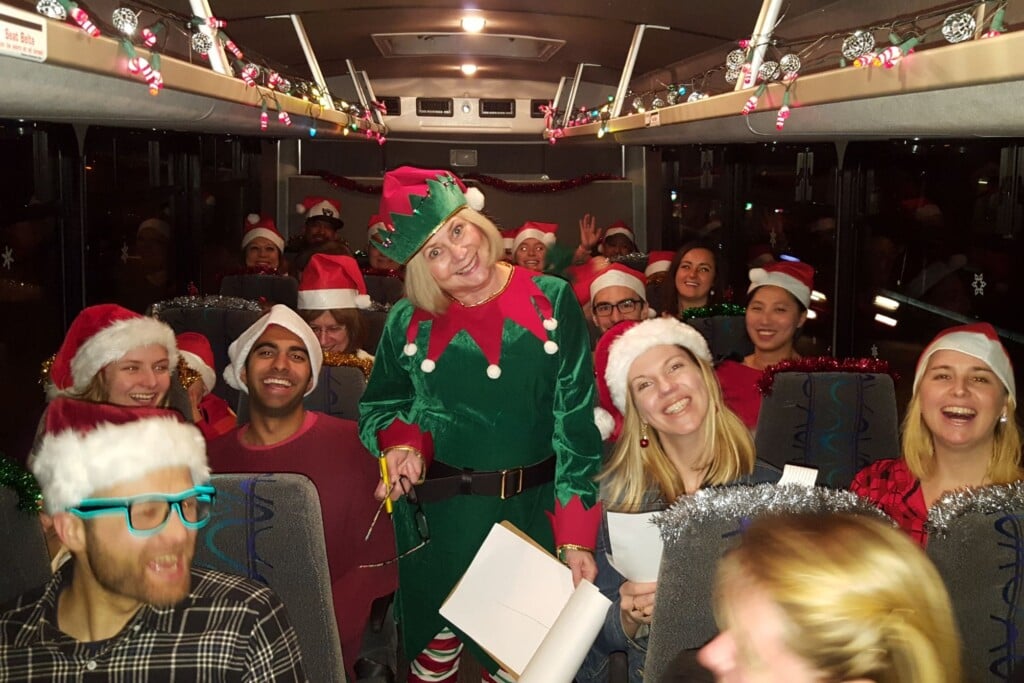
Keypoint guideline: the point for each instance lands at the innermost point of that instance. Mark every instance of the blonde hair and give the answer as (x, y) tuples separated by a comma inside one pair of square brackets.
[(859, 599), (632, 470), (420, 287), (918, 446)]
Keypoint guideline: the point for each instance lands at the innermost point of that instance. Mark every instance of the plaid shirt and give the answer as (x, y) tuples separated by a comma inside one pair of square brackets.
[(228, 629), (890, 485)]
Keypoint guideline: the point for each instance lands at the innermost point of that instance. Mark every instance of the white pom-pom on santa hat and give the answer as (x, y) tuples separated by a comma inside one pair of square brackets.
[(604, 421), (332, 281), (252, 218)]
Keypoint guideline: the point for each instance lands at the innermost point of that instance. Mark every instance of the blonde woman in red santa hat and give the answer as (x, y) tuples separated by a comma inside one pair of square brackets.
[(959, 430), (481, 405), (332, 293), (777, 302), (197, 374), (262, 245)]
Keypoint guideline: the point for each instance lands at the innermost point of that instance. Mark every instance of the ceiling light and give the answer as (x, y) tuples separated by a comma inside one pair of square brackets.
[(469, 69), (473, 23)]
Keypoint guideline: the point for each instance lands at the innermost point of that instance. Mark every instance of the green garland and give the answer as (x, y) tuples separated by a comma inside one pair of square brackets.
[(712, 310), (14, 476)]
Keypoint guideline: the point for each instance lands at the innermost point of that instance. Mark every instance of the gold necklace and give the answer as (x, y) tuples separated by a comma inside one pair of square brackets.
[(490, 297)]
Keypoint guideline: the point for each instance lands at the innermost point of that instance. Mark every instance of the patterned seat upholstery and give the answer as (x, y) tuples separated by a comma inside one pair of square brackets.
[(837, 422), (268, 527), (697, 531), (337, 393), (726, 335), (976, 541), (26, 563), (275, 289)]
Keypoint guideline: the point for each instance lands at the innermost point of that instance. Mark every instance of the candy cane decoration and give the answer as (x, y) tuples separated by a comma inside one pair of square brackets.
[(81, 18)]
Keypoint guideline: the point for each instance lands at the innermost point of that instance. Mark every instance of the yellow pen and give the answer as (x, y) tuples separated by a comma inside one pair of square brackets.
[(387, 482)]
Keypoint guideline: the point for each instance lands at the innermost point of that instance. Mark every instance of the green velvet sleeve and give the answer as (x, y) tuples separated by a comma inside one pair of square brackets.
[(389, 393)]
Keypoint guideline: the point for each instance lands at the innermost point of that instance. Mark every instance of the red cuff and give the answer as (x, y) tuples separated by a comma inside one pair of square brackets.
[(575, 525), (400, 433)]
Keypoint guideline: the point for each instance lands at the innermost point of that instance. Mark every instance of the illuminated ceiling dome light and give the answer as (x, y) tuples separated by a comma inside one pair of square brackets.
[(473, 23), (469, 69)]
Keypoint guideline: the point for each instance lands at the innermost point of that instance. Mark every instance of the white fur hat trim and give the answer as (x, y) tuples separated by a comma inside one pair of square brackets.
[(613, 277), (547, 238), (759, 277), (604, 421), (274, 237), (71, 466), (976, 345), (205, 371), (114, 341), (326, 299), (282, 316), (640, 338)]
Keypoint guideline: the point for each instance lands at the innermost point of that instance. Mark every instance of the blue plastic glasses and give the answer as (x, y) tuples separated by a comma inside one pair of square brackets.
[(148, 513)]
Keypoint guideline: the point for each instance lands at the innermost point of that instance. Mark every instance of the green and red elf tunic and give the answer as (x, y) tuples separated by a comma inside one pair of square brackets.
[(504, 384)]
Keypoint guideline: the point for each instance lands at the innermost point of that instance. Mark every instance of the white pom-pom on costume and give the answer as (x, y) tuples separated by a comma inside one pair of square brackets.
[(252, 218), (493, 371), (550, 324), (409, 349), (604, 421), (550, 347), (427, 365), (475, 199)]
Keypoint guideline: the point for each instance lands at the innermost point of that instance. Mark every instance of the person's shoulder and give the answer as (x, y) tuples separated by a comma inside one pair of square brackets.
[(887, 473), (224, 443), (18, 612), (215, 588), (335, 425)]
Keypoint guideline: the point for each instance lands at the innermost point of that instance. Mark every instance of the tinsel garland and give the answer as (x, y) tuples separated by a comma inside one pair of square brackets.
[(343, 183), (635, 260), (44, 370), (21, 481), (186, 375), (712, 310), (209, 301), (689, 513), (985, 500), (874, 366), (335, 359)]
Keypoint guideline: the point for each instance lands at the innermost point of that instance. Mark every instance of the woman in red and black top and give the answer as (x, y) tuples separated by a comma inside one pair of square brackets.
[(959, 430)]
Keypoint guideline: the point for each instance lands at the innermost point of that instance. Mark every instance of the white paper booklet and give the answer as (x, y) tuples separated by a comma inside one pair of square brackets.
[(636, 545), (518, 603)]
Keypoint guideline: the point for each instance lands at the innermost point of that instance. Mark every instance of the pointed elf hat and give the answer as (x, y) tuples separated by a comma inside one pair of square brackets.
[(658, 262), (545, 232), (197, 353), (98, 336), (418, 202), (978, 340), (88, 447), (320, 208), (795, 277), (261, 226), (332, 281)]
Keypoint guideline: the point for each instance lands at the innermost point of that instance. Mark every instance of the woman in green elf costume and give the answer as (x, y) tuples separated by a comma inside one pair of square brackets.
[(481, 403)]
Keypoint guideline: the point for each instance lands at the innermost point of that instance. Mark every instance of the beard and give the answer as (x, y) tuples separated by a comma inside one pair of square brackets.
[(126, 575)]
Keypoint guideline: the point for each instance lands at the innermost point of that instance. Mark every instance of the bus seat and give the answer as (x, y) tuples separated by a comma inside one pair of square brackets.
[(337, 393), (837, 422), (726, 335), (374, 329), (697, 531), (27, 563), (274, 289), (976, 541), (268, 527), (384, 289), (220, 320)]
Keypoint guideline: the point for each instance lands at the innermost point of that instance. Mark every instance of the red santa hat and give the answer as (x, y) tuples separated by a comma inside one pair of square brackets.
[(281, 316), (607, 417), (261, 226), (332, 281), (375, 225), (416, 202), (641, 337), (88, 447), (197, 353), (618, 275), (508, 239), (795, 277), (617, 228), (658, 262), (545, 232), (319, 208), (978, 340), (98, 336)]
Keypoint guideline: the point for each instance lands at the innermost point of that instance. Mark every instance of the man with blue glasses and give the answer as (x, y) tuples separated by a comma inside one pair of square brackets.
[(128, 489)]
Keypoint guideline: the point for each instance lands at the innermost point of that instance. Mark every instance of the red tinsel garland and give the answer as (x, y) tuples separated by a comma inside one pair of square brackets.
[(343, 183), (823, 364)]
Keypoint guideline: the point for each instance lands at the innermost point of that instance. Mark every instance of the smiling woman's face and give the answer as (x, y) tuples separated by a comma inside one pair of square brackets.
[(459, 259)]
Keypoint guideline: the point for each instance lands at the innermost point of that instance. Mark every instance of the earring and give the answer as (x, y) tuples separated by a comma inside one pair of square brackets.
[(644, 441), (1002, 419)]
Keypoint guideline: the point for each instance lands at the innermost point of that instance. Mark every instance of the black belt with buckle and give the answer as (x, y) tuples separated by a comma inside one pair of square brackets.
[(444, 481)]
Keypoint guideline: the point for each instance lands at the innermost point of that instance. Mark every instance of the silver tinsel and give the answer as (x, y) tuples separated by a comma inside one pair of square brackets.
[(732, 75), (790, 64), (959, 27), (52, 9), (858, 43), (696, 96), (201, 43), (210, 301), (125, 20), (735, 59), (985, 500), (689, 513), (769, 71)]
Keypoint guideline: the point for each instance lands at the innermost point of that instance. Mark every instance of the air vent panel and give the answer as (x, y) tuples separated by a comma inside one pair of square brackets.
[(497, 109), (434, 106)]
